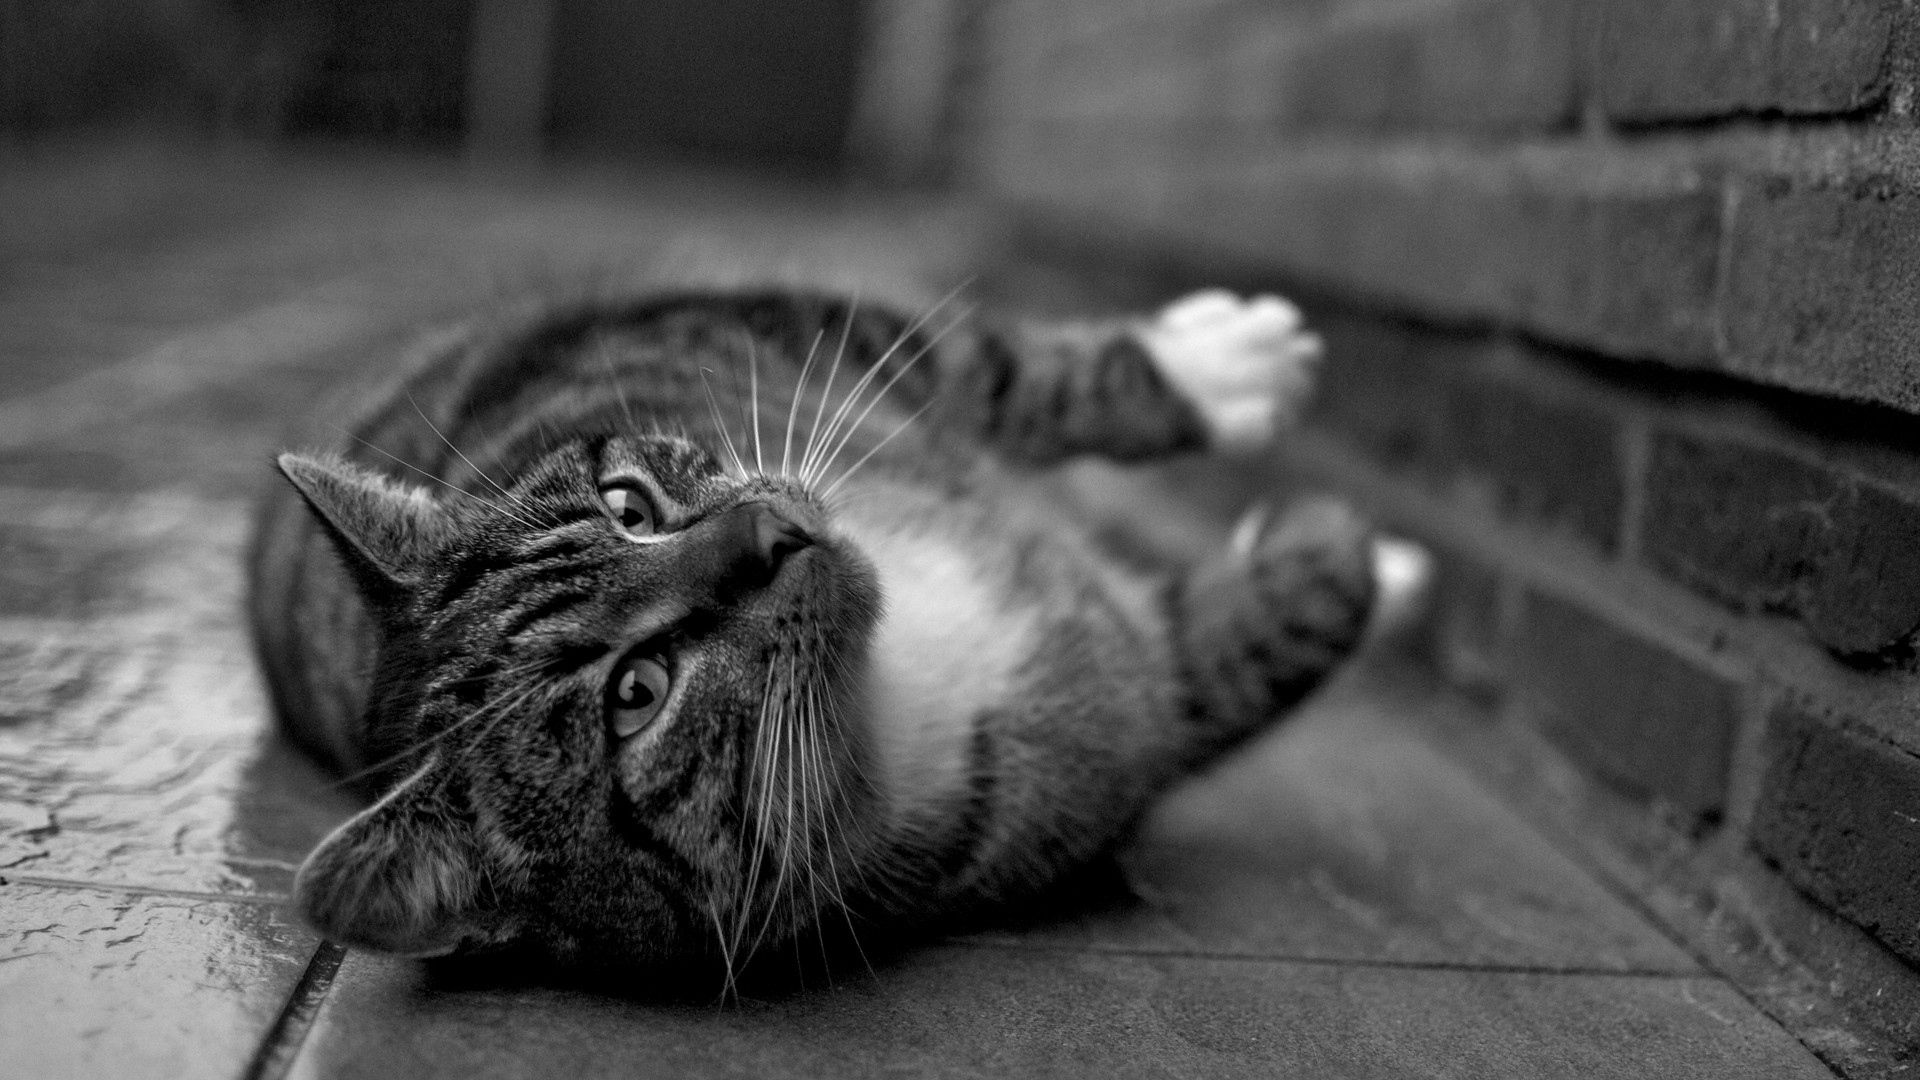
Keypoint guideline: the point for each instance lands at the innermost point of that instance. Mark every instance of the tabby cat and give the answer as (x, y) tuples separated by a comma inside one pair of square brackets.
[(681, 628)]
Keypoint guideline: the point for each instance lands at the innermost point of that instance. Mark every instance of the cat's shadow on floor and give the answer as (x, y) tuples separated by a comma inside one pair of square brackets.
[(845, 954), (288, 803)]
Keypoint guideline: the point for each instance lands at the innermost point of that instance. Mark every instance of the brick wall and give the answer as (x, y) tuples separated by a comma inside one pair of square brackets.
[(1623, 308)]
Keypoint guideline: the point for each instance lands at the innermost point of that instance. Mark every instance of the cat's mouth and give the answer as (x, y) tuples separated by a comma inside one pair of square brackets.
[(823, 574), (778, 551)]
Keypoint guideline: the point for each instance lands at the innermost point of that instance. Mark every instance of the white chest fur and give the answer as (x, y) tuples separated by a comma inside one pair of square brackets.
[(947, 647)]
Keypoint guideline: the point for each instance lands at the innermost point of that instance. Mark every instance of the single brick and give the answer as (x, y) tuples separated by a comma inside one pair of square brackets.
[(1823, 279), (1247, 64), (1764, 530), (1441, 231), (66, 574), (1548, 460), (1162, 82), (1870, 588), (1644, 714), (1616, 250), (1465, 638), (42, 678), (1384, 385), (1406, 224), (1839, 812), (1781, 260), (1475, 64), (1657, 59), (1425, 403), (1632, 268)]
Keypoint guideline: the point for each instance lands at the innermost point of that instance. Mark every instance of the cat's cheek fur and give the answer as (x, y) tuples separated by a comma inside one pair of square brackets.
[(403, 877)]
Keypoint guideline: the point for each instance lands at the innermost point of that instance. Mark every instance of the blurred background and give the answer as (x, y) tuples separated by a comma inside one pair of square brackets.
[(727, 80), (1622, 307)]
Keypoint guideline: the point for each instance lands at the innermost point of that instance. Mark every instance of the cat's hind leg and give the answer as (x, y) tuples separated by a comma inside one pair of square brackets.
[(1263, 623)]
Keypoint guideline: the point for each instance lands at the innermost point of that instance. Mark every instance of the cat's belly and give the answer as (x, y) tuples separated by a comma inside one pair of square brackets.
[(949, 646)]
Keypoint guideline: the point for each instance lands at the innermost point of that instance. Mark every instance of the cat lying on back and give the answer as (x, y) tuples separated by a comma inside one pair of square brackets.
[(694, 626)]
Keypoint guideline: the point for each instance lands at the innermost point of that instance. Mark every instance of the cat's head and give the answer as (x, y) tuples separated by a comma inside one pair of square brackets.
[(618, 688)]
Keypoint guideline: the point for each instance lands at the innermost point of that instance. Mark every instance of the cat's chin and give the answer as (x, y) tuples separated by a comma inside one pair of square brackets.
[(831, 585)]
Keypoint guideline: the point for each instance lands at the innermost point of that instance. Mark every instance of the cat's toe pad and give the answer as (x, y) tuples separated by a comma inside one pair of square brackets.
[(1245, 364)]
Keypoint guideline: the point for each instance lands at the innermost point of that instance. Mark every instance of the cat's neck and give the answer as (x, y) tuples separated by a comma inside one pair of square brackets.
[(949, 647)]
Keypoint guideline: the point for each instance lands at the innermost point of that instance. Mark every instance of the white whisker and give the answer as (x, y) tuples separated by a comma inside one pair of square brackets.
[(808, 801), (503, 673), (448, 484), (793, 406), (852, 398), (730, 989), (854, 428), (879, 446), (753, 376), (833, 822), (763, 816), (499, 706), (826, 392), (873, 371), (613, 377), (720, 425), (787, 831), (779, 732), (740, 408), (799, 834), (508, 495)]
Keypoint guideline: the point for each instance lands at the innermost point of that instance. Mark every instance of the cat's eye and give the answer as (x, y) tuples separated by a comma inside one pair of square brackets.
[(631, 509), (636, 692)]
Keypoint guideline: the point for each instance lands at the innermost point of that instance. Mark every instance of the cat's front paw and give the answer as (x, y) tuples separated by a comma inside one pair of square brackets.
[(1247, 365)]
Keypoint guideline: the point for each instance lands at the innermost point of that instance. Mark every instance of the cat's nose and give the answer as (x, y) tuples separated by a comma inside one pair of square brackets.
[(758, 539), (777, 536)]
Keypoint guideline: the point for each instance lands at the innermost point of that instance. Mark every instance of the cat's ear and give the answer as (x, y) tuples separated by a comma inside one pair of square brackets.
[(405, 876), (384, 530)]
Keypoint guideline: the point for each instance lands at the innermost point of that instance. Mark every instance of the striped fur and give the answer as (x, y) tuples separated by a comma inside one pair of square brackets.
[(946, 700)]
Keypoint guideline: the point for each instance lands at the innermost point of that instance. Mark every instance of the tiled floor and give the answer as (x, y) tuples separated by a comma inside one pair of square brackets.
[(1339, 900)]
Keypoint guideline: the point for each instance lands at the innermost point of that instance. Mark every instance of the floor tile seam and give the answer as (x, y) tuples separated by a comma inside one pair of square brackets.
[(1643, 908), (280, 1045), (175, 507), (1557, 835), (1233, 956), (151, 625), (50, 881), (128, 369), (51, 413)]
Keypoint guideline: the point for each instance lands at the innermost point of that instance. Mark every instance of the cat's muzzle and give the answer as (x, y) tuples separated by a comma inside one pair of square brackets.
[(753, 541)]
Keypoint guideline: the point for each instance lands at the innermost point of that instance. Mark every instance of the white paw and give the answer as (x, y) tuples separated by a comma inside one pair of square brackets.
[(1246, 365), (1402, 584)]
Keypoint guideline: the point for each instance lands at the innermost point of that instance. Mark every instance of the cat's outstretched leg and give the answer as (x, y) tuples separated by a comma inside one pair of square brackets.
[(1211, 371), (1246, 366), (1262, 624)]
